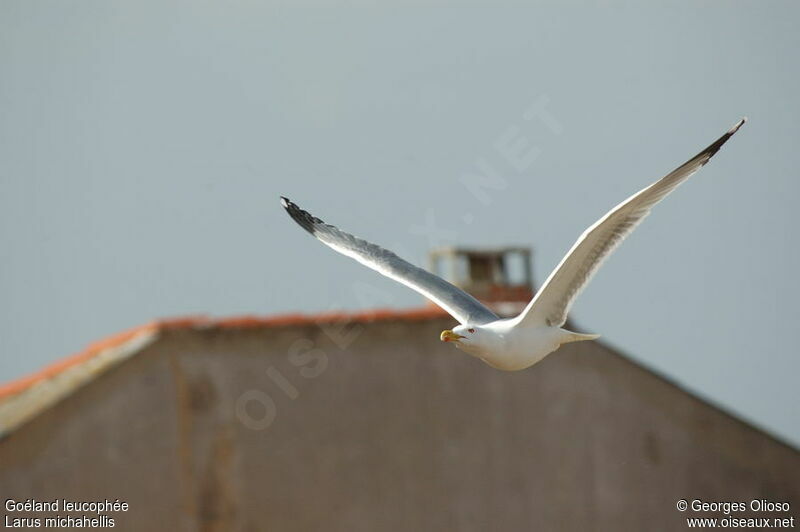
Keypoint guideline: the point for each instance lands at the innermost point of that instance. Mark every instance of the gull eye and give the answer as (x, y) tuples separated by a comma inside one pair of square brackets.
[(471, 331)]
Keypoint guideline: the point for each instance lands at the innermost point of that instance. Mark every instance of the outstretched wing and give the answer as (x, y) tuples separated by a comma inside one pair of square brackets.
[(552, 303), (459, 304)]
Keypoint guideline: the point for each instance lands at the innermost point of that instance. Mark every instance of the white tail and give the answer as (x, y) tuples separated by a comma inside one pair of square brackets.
[(569, 337)]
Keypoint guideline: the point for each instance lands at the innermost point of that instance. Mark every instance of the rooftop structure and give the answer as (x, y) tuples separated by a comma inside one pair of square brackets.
[(500, 277)]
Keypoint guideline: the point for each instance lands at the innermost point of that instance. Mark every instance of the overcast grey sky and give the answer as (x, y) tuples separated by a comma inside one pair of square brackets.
[(143, 146)]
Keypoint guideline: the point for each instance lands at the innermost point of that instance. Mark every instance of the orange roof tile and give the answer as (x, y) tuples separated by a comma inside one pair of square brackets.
[(235, 322)]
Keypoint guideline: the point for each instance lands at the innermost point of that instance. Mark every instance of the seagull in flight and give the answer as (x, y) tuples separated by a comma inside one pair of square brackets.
[(520, 342)]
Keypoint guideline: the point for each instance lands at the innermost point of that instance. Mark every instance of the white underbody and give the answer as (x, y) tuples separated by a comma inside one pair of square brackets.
[(509, 346)]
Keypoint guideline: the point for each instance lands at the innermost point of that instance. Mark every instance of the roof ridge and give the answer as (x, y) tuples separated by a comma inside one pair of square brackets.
[(23, 383)]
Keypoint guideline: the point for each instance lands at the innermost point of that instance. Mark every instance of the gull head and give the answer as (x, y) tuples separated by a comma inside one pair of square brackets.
[(470, 338)]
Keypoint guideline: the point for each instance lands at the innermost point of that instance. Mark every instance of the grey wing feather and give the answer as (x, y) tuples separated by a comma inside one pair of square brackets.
[(552, 303), (459, 304)]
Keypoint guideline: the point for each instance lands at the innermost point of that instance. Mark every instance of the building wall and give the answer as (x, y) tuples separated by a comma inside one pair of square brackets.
[(248, 429)]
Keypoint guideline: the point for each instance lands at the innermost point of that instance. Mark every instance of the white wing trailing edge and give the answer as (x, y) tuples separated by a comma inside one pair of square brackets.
[(459, 304), (552, 302)]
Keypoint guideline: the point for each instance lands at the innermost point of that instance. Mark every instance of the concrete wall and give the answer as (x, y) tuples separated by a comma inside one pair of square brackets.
[(397, 432)]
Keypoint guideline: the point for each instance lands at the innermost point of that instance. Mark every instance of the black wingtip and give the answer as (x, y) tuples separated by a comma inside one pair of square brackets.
[(709, 152), (303, 219), (739, 124)]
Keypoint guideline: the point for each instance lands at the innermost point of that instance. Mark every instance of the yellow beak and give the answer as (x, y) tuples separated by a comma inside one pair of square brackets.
[(450, 336)]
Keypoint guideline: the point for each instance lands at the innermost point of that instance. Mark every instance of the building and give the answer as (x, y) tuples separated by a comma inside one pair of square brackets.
[(367, 422)]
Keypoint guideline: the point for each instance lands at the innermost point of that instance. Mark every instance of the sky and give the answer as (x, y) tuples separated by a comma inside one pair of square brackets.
[(143, 147)]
